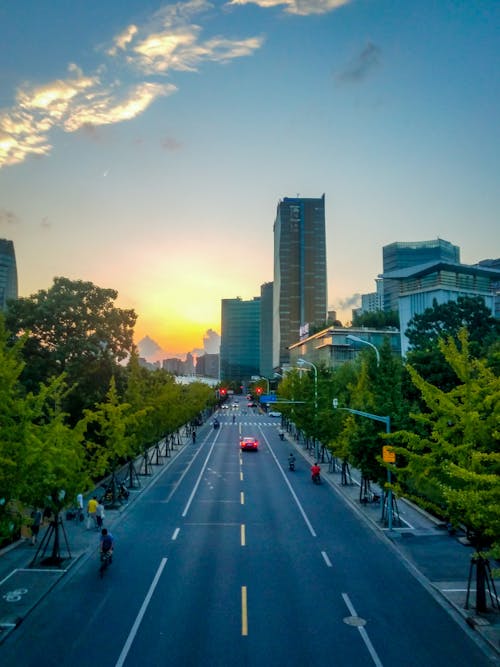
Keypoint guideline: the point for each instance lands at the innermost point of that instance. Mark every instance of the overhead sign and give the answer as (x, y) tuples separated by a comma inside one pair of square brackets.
[(268, 398)]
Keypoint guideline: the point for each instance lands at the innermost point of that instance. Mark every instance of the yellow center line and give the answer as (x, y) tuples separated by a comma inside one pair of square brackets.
[(244, 612), (242, 498), (243, 541)]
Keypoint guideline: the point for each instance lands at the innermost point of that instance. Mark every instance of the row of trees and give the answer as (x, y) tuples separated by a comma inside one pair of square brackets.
[(444, 406), (72, 411)]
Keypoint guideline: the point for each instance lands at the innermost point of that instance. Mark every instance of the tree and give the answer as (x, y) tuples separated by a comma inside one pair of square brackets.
[(441, 321), (378, 319), (453, 463), (73, 327)]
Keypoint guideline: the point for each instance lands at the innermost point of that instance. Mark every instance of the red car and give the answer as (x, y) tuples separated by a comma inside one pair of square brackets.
[(249, 443)]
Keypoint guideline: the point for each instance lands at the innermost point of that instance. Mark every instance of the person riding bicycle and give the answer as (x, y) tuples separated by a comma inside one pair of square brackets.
[(106, 544), (315, 471)]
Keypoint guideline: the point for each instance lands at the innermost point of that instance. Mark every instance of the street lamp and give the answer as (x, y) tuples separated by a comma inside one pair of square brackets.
[(355, 339), (387, 422), (301, 362)]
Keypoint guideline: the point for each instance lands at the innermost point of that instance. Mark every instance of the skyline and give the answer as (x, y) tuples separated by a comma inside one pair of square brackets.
[(146, 148)]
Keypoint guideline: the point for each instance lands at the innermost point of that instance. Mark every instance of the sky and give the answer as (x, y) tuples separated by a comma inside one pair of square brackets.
[(144, 146)]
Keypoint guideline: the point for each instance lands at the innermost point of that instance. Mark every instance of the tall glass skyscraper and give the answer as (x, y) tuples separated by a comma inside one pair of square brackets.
[(300, 282), (240, 339), (402, 255), (8, 272)]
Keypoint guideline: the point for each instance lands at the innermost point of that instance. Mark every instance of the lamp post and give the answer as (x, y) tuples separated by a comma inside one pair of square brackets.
[(355, 339), (387, 422), (301, 362)]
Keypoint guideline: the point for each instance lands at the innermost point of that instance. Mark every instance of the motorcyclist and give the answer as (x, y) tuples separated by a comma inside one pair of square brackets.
[(315, 472), (106, 545), (281, 434), (291, 461)]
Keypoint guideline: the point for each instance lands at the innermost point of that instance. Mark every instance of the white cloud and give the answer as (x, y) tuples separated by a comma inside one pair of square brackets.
[(169, 41), (300, 7)]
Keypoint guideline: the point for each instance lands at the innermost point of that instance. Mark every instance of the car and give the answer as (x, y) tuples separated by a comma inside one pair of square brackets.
[(251, 405), (274, 413), (249, 443)]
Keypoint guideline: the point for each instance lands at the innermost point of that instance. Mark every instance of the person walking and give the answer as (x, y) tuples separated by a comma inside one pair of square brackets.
[(99, 514), (91, 512), (37, 517)]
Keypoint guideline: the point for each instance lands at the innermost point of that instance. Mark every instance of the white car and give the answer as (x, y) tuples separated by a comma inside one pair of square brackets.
[(274, 413)]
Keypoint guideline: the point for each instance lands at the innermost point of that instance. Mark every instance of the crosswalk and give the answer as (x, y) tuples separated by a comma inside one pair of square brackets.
[(245, 423)]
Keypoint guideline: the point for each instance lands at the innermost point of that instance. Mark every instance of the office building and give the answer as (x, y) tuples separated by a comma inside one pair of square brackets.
[(402, 255), (8, 273), (300, 281), (419, 286), (240, 339), (266, 330)]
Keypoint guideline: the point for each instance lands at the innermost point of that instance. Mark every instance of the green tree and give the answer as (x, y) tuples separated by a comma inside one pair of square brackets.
[(441, 321), (74, 327), (454, 467), (378, 319)]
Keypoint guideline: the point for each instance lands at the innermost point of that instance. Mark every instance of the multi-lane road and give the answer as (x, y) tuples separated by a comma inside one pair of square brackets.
[(227, 558)]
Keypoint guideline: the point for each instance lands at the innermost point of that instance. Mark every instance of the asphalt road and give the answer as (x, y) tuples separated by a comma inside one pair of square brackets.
[(230, 559)]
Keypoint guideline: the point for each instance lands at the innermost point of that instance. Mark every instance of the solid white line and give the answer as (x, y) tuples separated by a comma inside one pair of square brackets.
[(301, 509), (188, 504), (376, 660), (326, 559), (140, 615), (176, 532)]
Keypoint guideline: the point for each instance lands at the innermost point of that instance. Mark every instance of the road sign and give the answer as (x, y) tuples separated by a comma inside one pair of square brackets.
[(268, 398), (388, 454)]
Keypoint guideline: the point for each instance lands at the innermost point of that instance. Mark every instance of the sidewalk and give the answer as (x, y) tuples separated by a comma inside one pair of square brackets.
[(439, 560), (22, 587)]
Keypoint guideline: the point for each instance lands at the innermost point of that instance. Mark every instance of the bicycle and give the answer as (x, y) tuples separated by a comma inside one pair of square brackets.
[(106, 559)]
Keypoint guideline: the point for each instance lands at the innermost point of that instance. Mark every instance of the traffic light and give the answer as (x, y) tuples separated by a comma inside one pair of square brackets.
[(258, 391), (223, 391)]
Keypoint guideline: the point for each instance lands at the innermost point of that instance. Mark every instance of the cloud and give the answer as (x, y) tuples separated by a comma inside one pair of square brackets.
[(362, 65), (350, 301), (8, 217), (169, 41), (171, 144), (299, 7)]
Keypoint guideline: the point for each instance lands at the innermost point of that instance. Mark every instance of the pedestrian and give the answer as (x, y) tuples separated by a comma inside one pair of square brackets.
[(79, 506), (99, 514), (37, 517), (91, 510)]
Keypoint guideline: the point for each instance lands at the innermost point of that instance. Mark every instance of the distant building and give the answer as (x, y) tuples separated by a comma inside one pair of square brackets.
[(331, 347), (173, 365), (207, 365), (373, 301), (300, 279), (418, 286), (402, 255), (266, 330), (8, 273), (240, 339), (493, 264)]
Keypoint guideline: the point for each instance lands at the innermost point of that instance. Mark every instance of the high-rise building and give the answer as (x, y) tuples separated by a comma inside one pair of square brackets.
[(402, 255), (8, 273), (240, 339), (300, 282), (266, 330)]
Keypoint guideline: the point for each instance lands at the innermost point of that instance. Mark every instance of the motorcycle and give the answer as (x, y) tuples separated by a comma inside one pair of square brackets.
[(316, 478), (291, 464), (282, 435)]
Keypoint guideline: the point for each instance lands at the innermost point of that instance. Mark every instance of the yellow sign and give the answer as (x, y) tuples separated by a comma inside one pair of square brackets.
[(388, 454)]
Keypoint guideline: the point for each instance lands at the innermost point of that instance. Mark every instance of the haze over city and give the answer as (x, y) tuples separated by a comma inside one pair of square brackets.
[(144, 146)]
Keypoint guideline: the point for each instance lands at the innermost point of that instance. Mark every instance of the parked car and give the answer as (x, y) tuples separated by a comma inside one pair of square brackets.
[(249, 443)]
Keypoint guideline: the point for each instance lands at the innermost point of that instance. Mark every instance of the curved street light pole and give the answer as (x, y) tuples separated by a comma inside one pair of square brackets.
[(355, 339), (301, 362)]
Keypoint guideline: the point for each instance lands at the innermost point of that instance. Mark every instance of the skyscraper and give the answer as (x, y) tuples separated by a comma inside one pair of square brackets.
[(402, 255), (300, 283), (266, 330), (240, 339), (8, 272)]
